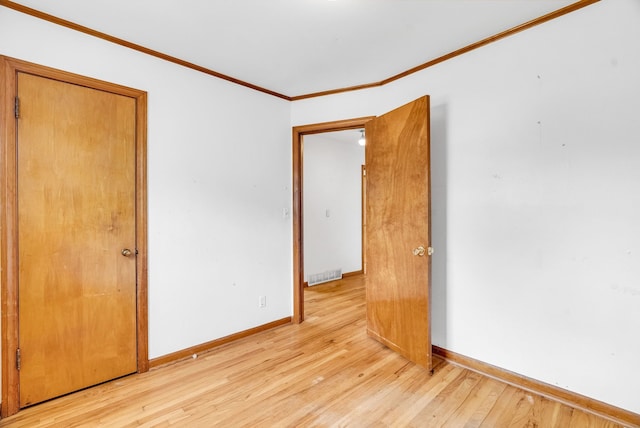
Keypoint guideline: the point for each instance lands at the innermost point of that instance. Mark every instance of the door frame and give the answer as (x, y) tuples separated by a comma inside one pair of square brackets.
[(298, 227), (9, 67)]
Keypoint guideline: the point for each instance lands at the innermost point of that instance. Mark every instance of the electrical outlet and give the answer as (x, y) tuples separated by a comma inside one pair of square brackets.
[(262, 302)]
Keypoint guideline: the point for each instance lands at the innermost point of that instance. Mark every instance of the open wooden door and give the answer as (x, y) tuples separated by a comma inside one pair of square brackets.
[(398, 231)]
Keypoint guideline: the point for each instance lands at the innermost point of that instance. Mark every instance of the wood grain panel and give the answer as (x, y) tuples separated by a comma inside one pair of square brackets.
[(324, 372), (208, 346), (398, 221), (9, 70), (9, 238), (76, 213), (142, 262), (554, 393)]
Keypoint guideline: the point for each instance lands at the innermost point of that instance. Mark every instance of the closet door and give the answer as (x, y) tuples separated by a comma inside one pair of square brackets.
[(76, 195)]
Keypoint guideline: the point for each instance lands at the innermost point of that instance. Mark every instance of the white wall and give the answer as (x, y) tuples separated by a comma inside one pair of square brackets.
[(219, 178), (536, 206), (536, 171), (332, 182)]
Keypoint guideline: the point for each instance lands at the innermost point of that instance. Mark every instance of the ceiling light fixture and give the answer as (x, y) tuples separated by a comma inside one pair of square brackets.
[(362, 141)]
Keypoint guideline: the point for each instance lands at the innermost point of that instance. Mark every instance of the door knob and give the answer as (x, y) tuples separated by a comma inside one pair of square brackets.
[(126, 252), (420, 251)]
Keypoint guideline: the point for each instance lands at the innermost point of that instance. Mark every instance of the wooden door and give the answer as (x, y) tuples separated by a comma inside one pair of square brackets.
[(398, 226), (76, 201)]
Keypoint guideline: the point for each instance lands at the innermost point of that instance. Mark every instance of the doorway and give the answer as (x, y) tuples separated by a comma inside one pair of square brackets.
[(398, 219), (73, 243), (332, 204), (298, 207)]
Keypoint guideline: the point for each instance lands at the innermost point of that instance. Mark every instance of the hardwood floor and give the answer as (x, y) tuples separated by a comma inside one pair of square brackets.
[(324, 372)]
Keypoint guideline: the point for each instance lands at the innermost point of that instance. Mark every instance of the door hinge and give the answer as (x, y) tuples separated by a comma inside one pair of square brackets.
[(18, 359), (16, 107)]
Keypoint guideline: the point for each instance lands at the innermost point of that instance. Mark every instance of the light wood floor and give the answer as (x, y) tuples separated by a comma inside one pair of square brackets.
[(324, 372)]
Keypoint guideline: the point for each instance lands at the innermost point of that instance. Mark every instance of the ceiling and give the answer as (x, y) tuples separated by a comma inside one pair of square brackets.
[(297, 47)]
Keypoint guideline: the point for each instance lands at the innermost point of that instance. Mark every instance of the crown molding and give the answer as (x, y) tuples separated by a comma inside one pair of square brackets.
[(104, 36)]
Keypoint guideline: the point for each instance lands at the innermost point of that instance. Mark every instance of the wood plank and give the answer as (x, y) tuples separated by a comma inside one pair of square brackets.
[(475, 409), (10, 68), (398, 225), (552, 392), (323, 372), (76, 203)]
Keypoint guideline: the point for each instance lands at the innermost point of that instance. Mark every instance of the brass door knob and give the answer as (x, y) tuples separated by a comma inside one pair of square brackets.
[(420, 251), (126, 252)]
